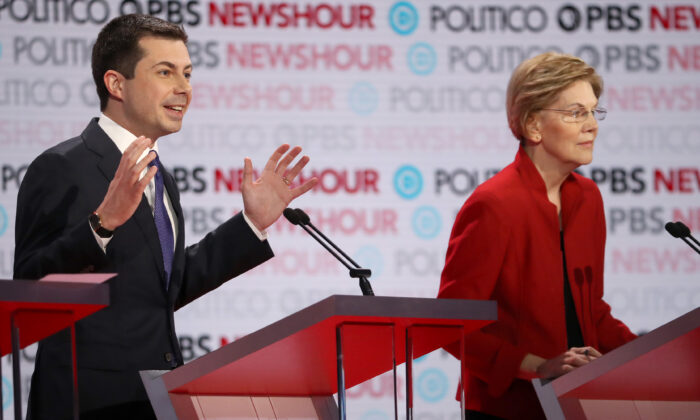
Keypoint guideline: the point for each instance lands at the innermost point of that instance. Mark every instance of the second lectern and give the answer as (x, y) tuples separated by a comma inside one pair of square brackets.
[(292, 368)]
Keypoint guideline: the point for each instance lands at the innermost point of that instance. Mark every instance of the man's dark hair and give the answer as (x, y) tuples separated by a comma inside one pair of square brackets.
[(117, 46)]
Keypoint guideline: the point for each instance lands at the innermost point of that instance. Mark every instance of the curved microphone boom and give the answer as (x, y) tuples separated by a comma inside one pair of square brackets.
[(680, 230), (300, 218)]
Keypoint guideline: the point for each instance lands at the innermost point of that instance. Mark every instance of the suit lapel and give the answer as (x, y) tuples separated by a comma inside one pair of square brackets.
[(99, 142)]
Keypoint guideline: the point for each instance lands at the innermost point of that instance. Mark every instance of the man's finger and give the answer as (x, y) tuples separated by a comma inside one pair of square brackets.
[(287, 159), (143, 183), (275, 157), (297, 168), (145, 161), (296, 192), (247, 171)]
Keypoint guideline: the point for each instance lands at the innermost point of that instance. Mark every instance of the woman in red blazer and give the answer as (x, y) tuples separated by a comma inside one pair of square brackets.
[(532, 238)]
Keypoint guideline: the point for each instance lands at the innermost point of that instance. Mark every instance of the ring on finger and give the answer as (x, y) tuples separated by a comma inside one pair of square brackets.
[(285, 180)]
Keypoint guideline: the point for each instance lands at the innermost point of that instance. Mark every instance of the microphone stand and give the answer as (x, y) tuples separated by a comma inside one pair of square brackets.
[(299, 217)]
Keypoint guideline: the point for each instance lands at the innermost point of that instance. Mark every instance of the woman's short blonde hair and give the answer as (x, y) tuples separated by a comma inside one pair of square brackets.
[(537, 82)]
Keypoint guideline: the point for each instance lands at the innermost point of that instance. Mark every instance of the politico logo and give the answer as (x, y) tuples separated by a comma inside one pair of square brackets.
[(488, 18)]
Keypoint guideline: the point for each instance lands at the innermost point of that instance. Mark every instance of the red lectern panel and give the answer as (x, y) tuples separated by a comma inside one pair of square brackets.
[(661, 366), (37, 306), (297, 355)]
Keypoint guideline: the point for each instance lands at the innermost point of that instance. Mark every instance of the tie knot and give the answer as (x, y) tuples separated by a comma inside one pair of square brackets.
[(156, 161)]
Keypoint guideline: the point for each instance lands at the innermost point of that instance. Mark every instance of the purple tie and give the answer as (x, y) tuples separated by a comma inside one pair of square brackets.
[(163, 226)]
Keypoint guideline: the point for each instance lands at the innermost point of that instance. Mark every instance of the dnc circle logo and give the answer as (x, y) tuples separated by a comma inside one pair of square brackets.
[(426, 222), (3, 220), (370, 257), (403, 18), (432, 385), (363, 98), (422, 59), (6, 393), (375, 415), (408, 182)]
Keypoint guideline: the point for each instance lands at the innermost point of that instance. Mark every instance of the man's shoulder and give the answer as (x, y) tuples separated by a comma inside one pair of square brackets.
[(73, 148)]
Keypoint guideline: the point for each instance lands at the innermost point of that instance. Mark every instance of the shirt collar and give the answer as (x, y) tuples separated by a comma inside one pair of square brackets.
[(571, 189), (121, 137)]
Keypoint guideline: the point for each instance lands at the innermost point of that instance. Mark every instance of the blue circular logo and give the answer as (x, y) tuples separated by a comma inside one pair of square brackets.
[(422, 59), (375, 415), (426, 222), (6, 393), (370, 257), (363, 98), (408, 182), (432, 385), (403, 18), (3, 220)]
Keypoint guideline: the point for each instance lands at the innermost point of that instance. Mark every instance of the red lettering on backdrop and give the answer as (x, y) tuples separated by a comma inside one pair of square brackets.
[(331, 181), (648, 98), (678, 18), (682, 180), (309, 57), (281, 97), (284, 15), (690, 216), (652, 260), (231, 181), (686, 58)]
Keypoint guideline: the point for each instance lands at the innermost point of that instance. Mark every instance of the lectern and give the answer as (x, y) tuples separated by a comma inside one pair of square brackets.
[(656, 376), (291, 369), (32, 310)]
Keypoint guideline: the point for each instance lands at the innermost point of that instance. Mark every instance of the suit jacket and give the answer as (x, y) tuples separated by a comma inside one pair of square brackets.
[(505, 246), (60, 189)]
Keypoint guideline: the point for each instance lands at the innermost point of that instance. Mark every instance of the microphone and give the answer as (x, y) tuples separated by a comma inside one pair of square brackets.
[(680, 230), (300, 218)]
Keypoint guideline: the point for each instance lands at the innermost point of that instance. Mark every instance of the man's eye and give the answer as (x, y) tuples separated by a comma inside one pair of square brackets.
[(188, 76), (164, 72)]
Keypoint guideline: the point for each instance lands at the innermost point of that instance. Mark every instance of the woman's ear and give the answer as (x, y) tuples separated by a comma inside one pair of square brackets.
[(533, 132)]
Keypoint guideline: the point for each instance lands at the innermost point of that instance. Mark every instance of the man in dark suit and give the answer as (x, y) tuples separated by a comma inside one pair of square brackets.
[(102, 202)]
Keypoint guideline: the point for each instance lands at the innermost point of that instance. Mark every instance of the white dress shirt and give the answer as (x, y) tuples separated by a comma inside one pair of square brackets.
[(122, 138)]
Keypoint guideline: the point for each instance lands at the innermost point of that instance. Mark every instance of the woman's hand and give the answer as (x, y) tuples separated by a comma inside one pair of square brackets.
[(536, 366)]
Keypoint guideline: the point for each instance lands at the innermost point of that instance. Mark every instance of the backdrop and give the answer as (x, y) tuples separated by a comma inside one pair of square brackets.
[(401, 107)]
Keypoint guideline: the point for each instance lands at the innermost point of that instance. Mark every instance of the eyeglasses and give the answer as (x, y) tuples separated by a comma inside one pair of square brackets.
[(580, 115)]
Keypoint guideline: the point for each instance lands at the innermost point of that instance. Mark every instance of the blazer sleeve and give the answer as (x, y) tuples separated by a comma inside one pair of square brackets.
[(229, 250), (475, 256), (611, 332), (52, 233)]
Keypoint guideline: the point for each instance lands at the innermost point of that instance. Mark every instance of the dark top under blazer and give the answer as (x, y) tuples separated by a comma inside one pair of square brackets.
[(505, 246), (60, 189)]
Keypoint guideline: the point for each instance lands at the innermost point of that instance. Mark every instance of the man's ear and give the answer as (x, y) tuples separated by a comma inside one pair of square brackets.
[(533, 132), (114, 82)]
